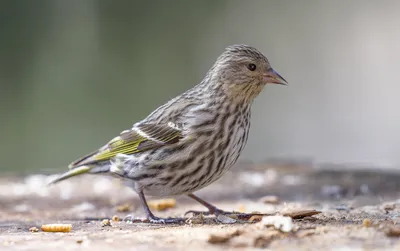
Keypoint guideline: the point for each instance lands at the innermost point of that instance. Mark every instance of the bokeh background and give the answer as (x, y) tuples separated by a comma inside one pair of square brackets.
[(73, 74)]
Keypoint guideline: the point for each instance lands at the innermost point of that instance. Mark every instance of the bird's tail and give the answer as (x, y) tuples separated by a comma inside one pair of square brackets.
[(93, 169)]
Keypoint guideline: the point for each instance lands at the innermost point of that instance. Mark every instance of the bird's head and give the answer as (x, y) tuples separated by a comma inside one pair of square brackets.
[(242, 71)]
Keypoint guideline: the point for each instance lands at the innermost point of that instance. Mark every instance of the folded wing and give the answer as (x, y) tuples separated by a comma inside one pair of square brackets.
[(142, 137)]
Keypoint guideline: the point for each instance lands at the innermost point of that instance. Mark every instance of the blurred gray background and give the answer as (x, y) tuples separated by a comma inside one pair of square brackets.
[(73, 74)]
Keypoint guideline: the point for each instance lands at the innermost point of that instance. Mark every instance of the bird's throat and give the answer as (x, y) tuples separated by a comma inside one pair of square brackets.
[(242, 93)]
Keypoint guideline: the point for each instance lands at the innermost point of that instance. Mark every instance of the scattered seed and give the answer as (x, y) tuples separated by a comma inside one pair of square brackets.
[(367, 222), (161, 205), (124, 208), (33, 229), (115, 218), (56, 228), (106, 223)]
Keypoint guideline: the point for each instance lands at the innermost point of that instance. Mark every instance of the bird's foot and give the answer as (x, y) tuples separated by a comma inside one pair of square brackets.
[(214, 211), (154, 220), (235, 215), (157, 220), (254, 217)]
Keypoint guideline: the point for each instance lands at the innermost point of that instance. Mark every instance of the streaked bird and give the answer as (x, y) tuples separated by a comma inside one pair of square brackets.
[(192, 140)]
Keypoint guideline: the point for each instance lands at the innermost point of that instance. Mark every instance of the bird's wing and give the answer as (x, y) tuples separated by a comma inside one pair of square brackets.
[(141, 137)]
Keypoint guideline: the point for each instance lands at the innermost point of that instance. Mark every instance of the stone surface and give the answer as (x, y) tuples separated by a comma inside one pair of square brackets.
[(346, 199)]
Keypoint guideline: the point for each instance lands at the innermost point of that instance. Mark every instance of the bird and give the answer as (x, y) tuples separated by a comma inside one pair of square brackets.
[(192, 140)]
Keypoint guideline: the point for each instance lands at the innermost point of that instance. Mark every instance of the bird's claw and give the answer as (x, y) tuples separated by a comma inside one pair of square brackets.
[(215, 212), (246, 217), (237, 215), (196, 213), (130, 219), (154, 220)]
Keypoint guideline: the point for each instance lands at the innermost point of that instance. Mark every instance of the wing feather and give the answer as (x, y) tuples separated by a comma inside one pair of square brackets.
[(140, 138)]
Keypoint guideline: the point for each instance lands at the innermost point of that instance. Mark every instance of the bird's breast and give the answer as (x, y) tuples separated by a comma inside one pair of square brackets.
[(215, 144)]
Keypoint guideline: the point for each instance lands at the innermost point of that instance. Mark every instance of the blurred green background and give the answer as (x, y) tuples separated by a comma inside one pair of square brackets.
[(73, 74)]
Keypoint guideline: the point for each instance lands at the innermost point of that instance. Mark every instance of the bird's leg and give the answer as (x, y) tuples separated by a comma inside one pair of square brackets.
[(154, 219), (211, 208), (216, 211)]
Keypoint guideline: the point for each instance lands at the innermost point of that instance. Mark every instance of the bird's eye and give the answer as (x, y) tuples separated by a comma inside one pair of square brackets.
[(252, 67)]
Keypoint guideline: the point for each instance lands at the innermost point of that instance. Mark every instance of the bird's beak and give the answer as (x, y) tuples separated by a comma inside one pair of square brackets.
[(272, 77)]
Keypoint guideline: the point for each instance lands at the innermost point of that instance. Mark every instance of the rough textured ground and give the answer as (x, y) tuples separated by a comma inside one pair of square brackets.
[(359, 209)]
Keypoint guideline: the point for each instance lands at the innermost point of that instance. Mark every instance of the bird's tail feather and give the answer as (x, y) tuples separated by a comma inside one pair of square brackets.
[(81, 170)]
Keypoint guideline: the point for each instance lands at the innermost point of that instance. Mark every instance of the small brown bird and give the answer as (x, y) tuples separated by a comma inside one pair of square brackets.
[(192, 140)]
